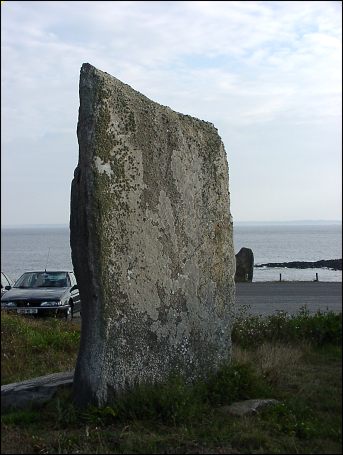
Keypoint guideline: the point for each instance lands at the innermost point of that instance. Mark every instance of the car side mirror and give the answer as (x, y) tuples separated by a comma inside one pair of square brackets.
[(8, 287)]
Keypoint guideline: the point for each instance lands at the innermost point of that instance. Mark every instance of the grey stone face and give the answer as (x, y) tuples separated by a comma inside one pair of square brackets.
[(151, 240)]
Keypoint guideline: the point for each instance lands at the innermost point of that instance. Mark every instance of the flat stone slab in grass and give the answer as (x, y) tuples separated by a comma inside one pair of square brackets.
[(34, 392), (248, 407)]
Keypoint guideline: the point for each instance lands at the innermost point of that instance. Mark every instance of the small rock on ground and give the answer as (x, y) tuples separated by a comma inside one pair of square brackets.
[(248, 407)]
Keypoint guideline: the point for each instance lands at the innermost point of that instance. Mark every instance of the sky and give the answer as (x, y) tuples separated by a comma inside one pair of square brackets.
[(267, 74)]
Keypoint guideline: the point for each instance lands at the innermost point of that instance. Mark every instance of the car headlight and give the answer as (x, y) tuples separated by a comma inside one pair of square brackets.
[(8, 304), (51, 303)]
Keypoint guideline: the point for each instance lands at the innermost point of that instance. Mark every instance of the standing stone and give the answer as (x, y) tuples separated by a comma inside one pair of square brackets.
[(244, 265), (151, 241)]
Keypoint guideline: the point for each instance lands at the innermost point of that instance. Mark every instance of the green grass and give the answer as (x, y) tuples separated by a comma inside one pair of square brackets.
[(296, 360), (34, 347)]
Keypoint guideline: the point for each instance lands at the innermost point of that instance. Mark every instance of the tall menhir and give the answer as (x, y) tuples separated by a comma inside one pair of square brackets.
[(151, 240)]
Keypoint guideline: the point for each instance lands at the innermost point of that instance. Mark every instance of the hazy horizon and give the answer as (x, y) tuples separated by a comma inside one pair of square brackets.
[(252, 222)]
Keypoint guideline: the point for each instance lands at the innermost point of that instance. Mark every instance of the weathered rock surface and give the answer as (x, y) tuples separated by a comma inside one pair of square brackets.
[(248, 407), (244, 265), (334, 264), (151, 241), (34, 392)]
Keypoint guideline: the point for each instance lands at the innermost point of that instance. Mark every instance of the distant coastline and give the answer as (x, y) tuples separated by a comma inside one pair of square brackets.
[(35, 226), (235, 223), (291, 222), (334, 264)]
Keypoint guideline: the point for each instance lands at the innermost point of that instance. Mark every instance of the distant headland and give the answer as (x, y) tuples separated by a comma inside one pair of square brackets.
[(334, 264), (288, 222)]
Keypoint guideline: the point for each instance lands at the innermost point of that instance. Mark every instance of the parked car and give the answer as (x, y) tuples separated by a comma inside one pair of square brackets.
[(52, 293), (6, 283)]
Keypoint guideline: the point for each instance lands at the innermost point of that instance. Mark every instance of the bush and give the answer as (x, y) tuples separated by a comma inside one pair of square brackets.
[(318, 329), (176, 401), (233, 383)]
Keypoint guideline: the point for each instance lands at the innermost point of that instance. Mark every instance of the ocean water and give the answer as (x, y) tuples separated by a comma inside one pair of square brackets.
[(288, 242), (24, 249)]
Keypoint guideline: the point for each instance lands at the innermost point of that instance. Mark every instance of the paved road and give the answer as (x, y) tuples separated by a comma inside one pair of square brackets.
[(268, 297)]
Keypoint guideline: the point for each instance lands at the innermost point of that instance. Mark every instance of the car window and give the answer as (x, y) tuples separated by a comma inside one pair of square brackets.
[(43, 280)]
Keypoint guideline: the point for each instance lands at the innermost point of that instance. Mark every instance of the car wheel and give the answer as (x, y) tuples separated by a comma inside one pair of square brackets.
[(70, 312)]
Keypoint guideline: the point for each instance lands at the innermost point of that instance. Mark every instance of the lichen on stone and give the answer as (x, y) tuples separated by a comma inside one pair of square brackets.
[(150, 225)]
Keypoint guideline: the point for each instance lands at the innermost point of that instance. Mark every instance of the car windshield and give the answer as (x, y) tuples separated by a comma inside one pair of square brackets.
[(43, 280)]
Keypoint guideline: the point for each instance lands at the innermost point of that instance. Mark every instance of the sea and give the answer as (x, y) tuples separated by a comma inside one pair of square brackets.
[(40, 247)]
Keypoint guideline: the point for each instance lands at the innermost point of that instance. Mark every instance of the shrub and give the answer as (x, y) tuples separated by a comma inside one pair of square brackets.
[(176, 401), (317, 329)]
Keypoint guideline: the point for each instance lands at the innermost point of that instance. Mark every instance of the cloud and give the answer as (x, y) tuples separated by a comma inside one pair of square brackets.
[(238, 64)]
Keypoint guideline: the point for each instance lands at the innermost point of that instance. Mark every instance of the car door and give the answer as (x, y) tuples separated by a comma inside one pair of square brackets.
[(5, 283), (74, 292)]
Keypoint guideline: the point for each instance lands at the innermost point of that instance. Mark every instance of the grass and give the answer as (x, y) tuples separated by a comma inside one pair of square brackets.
[(34, 347), (296, 360)]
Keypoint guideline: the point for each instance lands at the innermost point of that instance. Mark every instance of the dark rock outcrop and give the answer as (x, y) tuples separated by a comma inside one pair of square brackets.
[(334, 264), (151, 241), (244, 265)]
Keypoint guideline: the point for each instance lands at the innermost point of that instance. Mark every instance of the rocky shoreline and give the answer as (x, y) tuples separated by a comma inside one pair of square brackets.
[(334, 264)]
